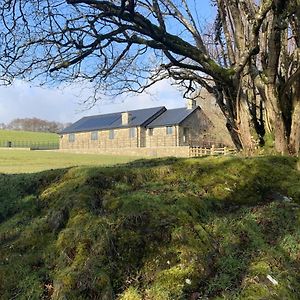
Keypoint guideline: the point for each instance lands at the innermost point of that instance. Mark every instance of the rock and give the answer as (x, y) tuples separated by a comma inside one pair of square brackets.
[(195, 296), (275, 196), (274, 281), (58, 219)]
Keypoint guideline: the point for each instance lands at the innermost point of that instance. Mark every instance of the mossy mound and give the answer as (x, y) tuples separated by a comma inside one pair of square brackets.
[(207, 228)]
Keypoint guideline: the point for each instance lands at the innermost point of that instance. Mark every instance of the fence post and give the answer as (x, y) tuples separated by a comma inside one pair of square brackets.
[(212, 151), (225, 150)]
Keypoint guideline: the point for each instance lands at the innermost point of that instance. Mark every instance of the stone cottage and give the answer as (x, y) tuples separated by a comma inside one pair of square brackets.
[(143, 128)]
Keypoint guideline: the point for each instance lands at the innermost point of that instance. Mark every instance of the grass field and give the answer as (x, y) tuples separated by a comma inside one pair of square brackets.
[(28, 136), (23, 161)]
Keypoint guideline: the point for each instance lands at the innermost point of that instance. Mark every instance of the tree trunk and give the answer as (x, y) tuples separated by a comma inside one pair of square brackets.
[(281, 145), (237, 116), (235, 136), (275, 114), (245, 127), (294, 140)]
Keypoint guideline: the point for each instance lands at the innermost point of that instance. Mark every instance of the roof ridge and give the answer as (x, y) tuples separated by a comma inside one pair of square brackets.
[(170, 117), (141, 117), (119, 112)]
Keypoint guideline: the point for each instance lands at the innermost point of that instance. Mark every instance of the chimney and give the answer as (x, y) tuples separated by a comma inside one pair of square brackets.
[(126, 118), (191, 104)]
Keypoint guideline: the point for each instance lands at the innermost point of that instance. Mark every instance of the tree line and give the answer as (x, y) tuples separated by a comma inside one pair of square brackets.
[(248, 59), (34, 124)]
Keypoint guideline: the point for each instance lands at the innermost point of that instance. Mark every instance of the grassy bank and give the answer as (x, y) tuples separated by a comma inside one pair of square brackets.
[(28, 136), (215, 228), (23, 161)]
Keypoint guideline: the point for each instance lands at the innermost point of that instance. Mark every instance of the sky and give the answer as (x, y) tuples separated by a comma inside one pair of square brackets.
[(22, 100)]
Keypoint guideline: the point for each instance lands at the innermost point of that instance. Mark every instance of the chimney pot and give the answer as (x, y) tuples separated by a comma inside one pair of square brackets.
[(191, 104)]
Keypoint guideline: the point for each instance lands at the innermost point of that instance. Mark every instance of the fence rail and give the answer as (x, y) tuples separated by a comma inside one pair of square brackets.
[(203, 151), (42, 145)]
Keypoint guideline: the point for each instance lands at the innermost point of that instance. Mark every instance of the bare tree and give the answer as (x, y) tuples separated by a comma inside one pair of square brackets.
[(250, 62), (35, 124)]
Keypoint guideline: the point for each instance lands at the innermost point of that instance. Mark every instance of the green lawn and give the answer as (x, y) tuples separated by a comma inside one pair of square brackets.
[(23, 161), (20, 138)]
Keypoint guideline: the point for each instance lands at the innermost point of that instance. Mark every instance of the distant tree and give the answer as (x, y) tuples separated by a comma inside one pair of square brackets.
[(15, 124), (250, 61), (35, 124)]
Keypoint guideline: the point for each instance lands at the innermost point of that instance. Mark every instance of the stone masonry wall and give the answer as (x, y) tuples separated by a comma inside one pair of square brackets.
[(198, 126), (138, 152), (83, 140), (160, 138)]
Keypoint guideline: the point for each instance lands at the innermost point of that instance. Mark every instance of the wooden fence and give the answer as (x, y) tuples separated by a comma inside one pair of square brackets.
[(203, 151)]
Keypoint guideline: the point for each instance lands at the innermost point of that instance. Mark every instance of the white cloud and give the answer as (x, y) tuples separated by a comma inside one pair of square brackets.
[(65, 105)]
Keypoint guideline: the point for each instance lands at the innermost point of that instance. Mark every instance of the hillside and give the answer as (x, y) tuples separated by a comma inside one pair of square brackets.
[(207, 228), (19, 137)]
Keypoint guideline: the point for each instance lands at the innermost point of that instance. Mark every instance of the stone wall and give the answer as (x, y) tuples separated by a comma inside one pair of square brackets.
[(83, 140), (197, 127), (160, 138), (122, 140), (139, 152)]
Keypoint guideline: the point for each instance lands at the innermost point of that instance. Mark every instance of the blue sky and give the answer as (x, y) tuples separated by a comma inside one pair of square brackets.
[(22, 100)]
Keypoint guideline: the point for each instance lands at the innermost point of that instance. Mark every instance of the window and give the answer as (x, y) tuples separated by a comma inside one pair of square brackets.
[(72, 137), (185, 134), (111, 134), (132, 132), (94, 136), (150, 131), (169, 129)]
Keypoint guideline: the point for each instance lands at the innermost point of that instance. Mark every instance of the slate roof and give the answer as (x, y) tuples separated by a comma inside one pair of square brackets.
[(139, 117), (172, 117)]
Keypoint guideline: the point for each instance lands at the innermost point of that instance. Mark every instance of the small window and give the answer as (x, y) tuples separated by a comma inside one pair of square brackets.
[(94, 136), (111, 134), (132, 132), (169, 129), (150, 131), (185, 134), (72, 137)]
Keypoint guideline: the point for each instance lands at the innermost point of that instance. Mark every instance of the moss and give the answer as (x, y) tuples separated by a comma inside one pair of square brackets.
[(155, 229), (130, 294)]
